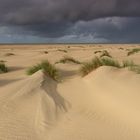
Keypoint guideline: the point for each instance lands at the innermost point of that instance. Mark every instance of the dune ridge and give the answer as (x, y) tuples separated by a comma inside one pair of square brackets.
[(31, 109), (99, 105), (103, 105)]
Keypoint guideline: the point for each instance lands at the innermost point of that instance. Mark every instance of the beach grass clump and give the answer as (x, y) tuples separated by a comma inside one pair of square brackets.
[(135, 69), (131, 66), (61, 50), (2, 61), (47, 68), (97, 52), (9, 54), (95, 63), (3, 68), (121, 48), (128, 63), (136, 50), (105, 53), (110, 62), (89, 66), (34, 69), (46, 52), (68, 59)]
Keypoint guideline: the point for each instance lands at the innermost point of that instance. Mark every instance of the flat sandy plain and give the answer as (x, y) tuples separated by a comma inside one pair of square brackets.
[(104, 105)]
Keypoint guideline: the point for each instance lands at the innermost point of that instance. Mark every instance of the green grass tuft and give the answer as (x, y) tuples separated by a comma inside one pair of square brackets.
[(128, 64), (110, 62), (105, 53), (46, 67), (131, 66), (136, 50), (88, 67), (65, 51), (2, 61), (9, 54), (67, 59), (34, 69), (95, 63), (135, 69), (3, 68), (97, 52)]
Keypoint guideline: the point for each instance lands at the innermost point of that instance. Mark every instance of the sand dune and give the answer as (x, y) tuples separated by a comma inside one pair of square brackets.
[(104, 105), (31, 109)]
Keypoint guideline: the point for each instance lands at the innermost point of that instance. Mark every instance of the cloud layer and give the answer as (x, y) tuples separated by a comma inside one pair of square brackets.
[(70, 19)]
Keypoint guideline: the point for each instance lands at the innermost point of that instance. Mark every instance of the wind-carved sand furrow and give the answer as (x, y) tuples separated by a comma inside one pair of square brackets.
[(19, 122), (33, 109), (51, 107)]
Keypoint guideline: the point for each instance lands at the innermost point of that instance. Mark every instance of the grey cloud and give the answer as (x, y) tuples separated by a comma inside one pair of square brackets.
[(111, 30), (70, 19), (25, 12)]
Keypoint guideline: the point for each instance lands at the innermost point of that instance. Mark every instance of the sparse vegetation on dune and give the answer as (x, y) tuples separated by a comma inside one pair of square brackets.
[(110, 62), (46, 52), (47, 68), (121, 48), (61, 50), (105, 53), (68, 59), (3, 68), (97, 52), (34, 69), (87, 67), (136, 50), (135, 69), (2, 61), (9, 54), (128, 64), (131, 66), (95, 63)]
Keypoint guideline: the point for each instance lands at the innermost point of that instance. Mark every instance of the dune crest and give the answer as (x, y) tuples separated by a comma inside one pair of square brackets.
[(33, 108), (103, 105)]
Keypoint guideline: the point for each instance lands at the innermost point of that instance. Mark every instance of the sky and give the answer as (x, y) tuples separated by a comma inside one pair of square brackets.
[(69, 21)]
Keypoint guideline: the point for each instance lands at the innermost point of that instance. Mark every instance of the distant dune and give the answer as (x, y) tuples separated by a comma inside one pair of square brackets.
[(103, 105)]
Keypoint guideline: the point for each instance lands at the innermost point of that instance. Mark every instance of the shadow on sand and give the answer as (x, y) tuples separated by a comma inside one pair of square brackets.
[(50, 87)]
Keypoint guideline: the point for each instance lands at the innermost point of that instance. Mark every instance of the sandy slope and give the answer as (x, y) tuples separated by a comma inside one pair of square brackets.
[(104, 105)]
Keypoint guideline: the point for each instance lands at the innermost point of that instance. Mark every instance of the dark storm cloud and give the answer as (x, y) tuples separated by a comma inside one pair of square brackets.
[(24, 12), (113, 30), (62, 19)]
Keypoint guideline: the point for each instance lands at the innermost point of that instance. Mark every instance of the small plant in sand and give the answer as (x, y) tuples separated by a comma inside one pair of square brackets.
[(65, 51), (47, 68), (9, 54), (3, 68), (46, 52), (121, 48), (68, 59), (135, 69), (131, 66), (110, 62), (105, 53), (128, 64), (136, 50), (2, 61), (97, 52), (88, 67), (95, 63)]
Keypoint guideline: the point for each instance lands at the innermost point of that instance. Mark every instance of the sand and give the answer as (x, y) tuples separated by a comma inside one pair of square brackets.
[(104, 105)]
